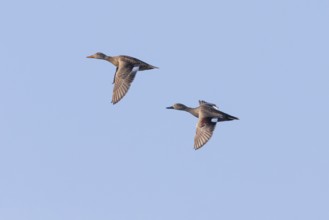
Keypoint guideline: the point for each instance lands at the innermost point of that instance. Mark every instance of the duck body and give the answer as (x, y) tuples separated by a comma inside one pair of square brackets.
[(208, 115), (127, 60), (209, 110), (126, 69)]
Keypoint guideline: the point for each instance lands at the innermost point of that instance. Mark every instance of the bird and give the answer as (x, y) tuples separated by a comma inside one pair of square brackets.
[(126, 69), (208, 115)]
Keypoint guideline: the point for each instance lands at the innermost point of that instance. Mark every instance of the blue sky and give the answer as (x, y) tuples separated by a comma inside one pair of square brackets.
[(67, 153)]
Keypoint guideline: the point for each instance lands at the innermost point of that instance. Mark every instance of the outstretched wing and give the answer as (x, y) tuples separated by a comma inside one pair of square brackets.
[(124, 76), (115, 74), (204, 130)]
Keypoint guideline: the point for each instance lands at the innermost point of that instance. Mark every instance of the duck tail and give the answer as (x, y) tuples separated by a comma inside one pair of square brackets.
[(154, 67), (227, 117), (230, 118)]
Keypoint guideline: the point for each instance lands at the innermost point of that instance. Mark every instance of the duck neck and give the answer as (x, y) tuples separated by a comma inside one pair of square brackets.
[(112, 60), (193, 111)]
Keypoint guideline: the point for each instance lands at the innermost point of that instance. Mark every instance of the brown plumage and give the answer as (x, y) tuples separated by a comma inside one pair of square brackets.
[(208, 115), (125, 73)]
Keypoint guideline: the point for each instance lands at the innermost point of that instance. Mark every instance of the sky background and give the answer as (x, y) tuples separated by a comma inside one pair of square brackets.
[(67, 153)]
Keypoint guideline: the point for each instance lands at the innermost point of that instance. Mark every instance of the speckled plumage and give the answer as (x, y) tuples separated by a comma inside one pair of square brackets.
[(125, 73), (206, 112)]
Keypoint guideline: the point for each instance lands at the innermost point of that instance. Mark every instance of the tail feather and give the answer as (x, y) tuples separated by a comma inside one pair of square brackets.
[(227, 117), (230, 118)]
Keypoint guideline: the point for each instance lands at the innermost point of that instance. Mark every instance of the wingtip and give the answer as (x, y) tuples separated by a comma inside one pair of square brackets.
[(197, 148)]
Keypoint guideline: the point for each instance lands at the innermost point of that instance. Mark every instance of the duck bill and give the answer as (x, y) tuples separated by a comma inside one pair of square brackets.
[(170, 107), (91, 56)]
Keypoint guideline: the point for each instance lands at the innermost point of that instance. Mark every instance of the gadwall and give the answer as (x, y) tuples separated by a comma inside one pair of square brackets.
[(125, 73), (208, 115)]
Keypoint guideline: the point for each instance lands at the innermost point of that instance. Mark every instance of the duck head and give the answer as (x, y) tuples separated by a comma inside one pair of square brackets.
[(177, 106), (97, 55)]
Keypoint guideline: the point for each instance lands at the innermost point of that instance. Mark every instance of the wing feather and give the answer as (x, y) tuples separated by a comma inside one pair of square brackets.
[(204, 131), (124, 76)]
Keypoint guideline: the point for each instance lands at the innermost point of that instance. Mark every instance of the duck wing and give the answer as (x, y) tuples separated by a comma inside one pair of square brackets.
[(115, 75), (204, 130), (202, 102), (124, 76)]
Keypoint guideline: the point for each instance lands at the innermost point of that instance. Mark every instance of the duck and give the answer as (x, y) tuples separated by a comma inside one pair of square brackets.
[(126, 69), (208, 115)]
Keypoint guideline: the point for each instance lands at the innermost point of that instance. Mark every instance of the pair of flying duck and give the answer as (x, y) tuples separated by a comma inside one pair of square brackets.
[(126, 69)]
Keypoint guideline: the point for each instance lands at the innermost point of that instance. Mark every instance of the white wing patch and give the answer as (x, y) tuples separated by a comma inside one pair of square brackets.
[(215, 107), (214, 120), (135, 69)]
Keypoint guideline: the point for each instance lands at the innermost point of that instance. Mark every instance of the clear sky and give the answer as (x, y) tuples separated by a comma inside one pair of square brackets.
[(67, 153)]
